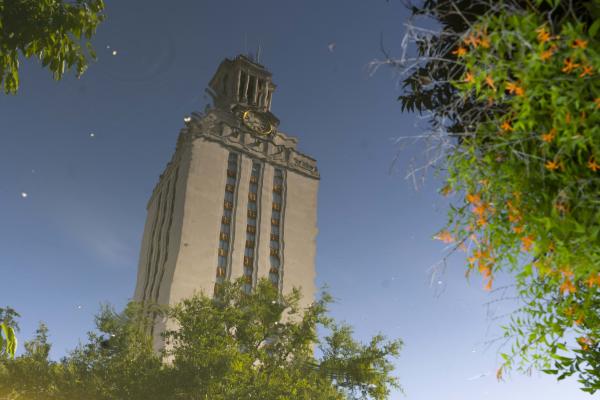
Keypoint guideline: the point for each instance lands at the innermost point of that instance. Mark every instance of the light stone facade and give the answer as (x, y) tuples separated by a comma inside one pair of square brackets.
[(187, 247)]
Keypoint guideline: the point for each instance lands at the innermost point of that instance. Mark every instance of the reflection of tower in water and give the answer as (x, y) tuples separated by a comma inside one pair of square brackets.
[(237, 199)]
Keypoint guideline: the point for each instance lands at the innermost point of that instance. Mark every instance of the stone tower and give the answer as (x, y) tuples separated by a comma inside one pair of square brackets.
[(236, 200)]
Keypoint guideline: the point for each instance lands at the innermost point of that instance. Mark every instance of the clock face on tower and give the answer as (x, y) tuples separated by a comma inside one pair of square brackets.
[(257, 122)]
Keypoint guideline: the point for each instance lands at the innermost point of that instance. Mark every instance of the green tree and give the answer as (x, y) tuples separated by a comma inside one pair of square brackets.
[(55, 32), (260, 345), (32, 373), (237, 346), (8, 327), (512, 92)]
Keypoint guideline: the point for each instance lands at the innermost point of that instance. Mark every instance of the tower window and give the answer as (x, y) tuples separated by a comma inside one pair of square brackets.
[(224, 83), (243, 83), (251, 89)]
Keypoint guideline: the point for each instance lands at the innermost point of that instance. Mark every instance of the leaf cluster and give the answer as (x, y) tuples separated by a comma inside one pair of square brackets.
[(517, 84), (55, 32)]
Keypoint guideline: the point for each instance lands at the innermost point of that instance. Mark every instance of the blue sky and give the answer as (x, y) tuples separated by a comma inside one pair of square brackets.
[(73, 242)]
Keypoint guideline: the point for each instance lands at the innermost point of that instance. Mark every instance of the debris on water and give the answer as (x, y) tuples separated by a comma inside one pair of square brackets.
[(114, 53), (24, 195), (483, 375), (331, 47), (92, 135)]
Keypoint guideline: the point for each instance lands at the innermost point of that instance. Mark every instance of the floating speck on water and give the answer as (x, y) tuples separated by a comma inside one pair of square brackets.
[(24, 195), (92, 135), (440, 282), (33, 171), (331, 47), (108, 46), (79, 307), (114, 53)]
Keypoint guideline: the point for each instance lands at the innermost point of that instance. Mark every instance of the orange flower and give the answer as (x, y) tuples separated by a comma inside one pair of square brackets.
[(481, 221), (484, 42), (566, 272), (584, 343), (473, 198), (480, 209), (548, 137), (506, 126), (593, 165), (582, 44), (569, 66), (513, 88), (597, 101), (545, 55), (514, 218), (488, 285), (526, 242), (490, 82), (460, 51), (552, 165), (446, 190), (568, 118), (485, 270), (499, 374), (587, 70), (593, 280), (444, 236), (542, 34), (562, 207), (472, 40), (567, 286), (517, 229), (469, 78)]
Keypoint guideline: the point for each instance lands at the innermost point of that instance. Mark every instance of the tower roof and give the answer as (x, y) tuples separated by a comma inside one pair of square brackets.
[(242, 81)]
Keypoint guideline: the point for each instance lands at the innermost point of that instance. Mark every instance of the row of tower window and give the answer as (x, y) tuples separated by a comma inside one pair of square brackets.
[(252, 217), (275, 239), (160, 234), (225, 233), (249, 263)]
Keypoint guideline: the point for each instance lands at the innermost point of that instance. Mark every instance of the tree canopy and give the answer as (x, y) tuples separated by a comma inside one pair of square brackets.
[(55, 32), (237, 346), (512, 93)]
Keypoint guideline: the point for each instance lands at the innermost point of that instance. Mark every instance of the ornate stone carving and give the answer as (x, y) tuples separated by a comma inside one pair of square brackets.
[(217, 125)]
